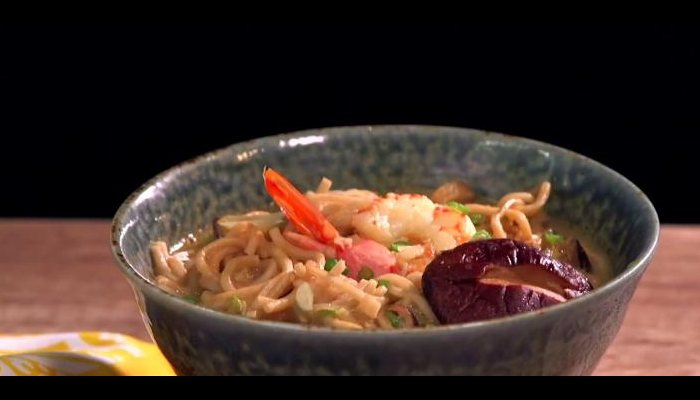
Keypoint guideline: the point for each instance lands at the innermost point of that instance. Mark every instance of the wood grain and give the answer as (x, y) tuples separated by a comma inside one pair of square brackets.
[(59, 276), (661, 332)]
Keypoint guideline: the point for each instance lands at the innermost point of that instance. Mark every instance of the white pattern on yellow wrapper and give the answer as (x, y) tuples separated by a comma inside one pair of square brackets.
[(80, 353)]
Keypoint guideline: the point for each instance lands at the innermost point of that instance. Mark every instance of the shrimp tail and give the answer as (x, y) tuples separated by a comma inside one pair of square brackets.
[(303, 214)]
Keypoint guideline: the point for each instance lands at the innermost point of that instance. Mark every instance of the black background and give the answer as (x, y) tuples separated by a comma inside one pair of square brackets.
[(125, 101)]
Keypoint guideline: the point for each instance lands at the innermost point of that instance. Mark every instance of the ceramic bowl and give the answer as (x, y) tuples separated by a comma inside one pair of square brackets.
[(566, 339)]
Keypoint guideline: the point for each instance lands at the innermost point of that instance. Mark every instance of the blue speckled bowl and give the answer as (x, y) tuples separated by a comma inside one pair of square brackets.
[(565, 339)]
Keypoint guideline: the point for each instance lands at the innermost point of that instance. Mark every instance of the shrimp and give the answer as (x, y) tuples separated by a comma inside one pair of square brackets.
[(415, 218), (308, 220)]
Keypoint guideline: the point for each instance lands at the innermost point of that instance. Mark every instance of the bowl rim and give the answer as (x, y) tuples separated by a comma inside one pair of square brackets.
[(119, 225)]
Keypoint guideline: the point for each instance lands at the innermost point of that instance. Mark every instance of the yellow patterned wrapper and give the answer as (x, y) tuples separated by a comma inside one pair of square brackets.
[(81, 354)]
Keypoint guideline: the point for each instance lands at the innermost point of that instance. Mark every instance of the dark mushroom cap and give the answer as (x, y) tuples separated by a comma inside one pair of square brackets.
[(495, 278)]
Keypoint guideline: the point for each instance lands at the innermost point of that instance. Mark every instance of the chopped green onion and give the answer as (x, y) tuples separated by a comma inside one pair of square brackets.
[(477, 218), (481, 234), (365, 273), (396, 246), (395, 320), (384, 282), (326, 313), (553, 238), (330, 263), (191, 298), (458, 207), (236, 305)]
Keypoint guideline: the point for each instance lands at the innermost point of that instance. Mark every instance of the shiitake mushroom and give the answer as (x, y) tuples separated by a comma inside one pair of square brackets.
[(496, 278)]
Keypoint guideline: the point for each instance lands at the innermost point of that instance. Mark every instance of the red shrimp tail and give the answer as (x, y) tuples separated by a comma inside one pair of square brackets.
[(303, 214)]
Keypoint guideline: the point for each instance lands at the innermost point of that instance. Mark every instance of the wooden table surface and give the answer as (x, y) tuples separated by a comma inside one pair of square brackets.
[(58, 275)]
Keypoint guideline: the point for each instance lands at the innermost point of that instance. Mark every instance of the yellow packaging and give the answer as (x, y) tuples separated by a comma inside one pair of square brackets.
[(80, 353)]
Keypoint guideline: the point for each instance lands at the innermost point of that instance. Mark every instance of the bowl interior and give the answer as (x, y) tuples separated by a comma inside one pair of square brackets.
[(597, 201)]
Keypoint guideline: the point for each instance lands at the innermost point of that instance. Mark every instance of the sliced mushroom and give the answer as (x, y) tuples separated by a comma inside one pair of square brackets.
[(495, 278), (453, 191), (261, 219), (571, 252), (493, 298)]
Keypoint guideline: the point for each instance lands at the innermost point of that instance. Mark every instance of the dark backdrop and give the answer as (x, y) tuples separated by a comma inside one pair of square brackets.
[(127, 101)]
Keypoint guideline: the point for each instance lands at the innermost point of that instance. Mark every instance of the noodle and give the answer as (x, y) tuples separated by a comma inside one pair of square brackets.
[(289, 249), (159, 255), (283, 262), (233, 265), (275, 272), (542, 197), (496, 225), (253, 243), (324, 186), (177, 267)]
